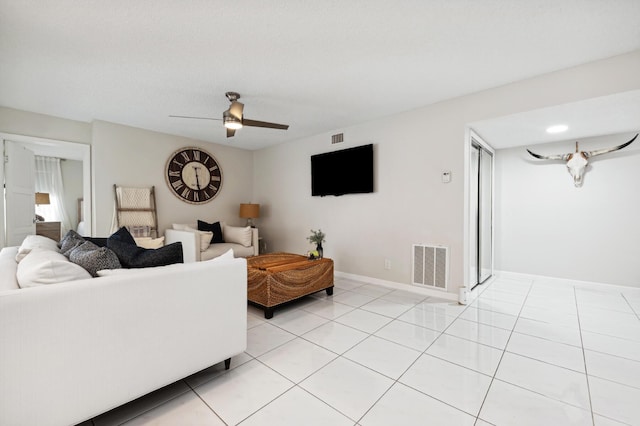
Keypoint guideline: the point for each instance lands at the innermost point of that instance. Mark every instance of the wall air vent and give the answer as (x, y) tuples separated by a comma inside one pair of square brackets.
[(337, 138), (430, 266)]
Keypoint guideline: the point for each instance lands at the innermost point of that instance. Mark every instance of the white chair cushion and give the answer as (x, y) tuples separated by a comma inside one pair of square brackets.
[(238, 235), (32, 241), (42, 266)]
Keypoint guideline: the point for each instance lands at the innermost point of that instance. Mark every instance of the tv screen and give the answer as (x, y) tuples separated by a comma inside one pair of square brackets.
[(348, 171)]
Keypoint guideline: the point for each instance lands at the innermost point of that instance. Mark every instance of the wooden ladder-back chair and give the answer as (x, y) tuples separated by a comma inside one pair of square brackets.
[(136, 210)]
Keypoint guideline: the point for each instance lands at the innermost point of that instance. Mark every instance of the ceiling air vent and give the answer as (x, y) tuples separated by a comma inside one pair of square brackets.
[(338, 138)]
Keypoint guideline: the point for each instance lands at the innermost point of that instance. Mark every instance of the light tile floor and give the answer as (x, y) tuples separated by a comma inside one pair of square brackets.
[(525, 352)]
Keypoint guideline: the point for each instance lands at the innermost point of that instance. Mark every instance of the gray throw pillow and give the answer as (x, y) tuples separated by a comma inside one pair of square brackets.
[(70, 241), (94, 258)]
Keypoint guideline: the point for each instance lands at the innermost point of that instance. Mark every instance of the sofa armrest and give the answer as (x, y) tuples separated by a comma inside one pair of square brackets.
[(190, 243), (255, 241)]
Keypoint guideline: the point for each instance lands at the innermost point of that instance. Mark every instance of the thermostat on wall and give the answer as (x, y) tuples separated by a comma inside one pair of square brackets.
[(446, 176)]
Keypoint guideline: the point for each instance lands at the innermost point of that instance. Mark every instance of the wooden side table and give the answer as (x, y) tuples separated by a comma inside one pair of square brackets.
[(49, 230)]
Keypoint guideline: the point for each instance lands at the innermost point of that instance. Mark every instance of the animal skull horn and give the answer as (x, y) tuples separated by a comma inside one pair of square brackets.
[(577, 161)]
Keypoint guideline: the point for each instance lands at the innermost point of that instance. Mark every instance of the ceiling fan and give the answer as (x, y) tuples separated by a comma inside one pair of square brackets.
[(233, 118)]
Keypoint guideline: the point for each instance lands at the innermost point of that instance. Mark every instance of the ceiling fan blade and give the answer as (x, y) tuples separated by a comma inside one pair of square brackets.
[(230, 132), (236, 109), (256, 123), (197, 118)]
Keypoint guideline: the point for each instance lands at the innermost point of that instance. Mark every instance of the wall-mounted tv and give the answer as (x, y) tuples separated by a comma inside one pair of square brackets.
[(348, 171)]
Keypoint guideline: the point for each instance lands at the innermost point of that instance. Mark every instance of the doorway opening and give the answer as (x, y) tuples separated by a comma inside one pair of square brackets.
[(76, 157), (481, 211)]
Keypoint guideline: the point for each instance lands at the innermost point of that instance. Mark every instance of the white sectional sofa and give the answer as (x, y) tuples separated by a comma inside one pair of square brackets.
[(73, 350), (194, 250)]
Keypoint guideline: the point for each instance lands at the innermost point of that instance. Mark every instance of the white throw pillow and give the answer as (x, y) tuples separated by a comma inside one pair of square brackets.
[(205, 239), (149, 243), (225, 257), (43, 266), (205, 236), (180, 227), (238, 235), (35, 241)]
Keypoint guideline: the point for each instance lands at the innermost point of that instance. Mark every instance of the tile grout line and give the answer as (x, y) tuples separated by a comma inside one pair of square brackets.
[(584, 357), (493, 377), (205, 402), (630, 306), (396, 381), (333, 360)]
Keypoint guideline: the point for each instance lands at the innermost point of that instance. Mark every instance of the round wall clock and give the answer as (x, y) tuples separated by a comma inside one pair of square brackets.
[(193, 175)]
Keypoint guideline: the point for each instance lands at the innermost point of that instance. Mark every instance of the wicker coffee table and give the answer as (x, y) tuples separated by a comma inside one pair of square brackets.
[(278, 278)]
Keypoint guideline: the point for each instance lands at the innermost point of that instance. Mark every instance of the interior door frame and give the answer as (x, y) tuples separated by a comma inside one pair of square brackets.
[(61, 149), (471, 137)]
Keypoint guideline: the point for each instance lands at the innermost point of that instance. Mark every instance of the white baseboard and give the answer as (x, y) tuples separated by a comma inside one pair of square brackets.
[(563, 281), (398, 286)]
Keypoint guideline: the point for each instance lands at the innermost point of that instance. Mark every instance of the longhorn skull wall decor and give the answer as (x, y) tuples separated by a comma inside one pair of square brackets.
[(577, 161)]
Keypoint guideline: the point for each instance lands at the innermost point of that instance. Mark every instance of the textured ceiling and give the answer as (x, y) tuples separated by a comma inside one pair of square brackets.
[(584, 119), (316, 65)]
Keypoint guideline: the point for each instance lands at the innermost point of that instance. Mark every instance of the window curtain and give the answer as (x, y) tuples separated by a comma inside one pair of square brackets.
[(49, 180)]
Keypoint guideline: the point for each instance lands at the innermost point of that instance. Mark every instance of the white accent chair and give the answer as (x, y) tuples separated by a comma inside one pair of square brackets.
[(192, 247)]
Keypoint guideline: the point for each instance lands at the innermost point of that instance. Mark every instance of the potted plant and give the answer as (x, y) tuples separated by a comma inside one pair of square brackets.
[(317, 237)]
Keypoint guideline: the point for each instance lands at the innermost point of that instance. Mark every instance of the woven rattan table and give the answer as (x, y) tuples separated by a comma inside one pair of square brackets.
[(278, 278)]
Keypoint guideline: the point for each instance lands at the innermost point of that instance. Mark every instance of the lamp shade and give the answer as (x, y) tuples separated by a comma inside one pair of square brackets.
[(42, 198), (249, 211)]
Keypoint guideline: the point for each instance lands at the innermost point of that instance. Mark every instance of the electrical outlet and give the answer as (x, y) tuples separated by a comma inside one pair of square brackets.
[(387, 264)]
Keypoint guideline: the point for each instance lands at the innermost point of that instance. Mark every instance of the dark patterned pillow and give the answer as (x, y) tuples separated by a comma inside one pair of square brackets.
[(100, 242), (70, 241), (132, 256), (94, 258), (212, 227), (122, 235)]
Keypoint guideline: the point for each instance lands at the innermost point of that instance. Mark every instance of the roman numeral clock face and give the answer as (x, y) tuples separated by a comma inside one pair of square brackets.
[(193, 175)]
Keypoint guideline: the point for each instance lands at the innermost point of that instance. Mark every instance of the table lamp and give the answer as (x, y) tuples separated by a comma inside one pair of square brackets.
[(250, 212), (42, 198)]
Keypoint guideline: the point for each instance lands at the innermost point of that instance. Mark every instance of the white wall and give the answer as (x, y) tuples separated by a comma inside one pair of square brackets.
[(72, 181), (136, 157), (43, 126), (129, 156), (549, 227), (410, 204), (362, 229)]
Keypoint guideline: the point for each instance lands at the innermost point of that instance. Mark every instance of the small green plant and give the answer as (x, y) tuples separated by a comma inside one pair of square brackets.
[(316, 237)]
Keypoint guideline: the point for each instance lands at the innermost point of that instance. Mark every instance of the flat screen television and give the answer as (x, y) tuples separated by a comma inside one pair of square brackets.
[(348, 171)]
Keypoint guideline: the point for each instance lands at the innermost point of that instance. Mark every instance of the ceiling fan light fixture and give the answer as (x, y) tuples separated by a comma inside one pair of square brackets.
[(231, 122)]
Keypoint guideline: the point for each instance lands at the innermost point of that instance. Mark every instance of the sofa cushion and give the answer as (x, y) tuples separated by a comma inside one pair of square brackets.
[(35, 241), (149, 243), (132, 256), (238, 235), (93, 258), (43, 266), (216, 228)]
